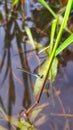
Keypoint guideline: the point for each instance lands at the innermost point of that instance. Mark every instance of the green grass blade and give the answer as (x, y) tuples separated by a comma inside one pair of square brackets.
[(67, 13), (66, 43), (66, 16), (48, 7), (44, 50), (49, 47), (29, 34), (14, 2), (53, 29)]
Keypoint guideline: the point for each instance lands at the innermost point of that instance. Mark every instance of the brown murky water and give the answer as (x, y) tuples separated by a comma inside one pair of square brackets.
[(15, 86)]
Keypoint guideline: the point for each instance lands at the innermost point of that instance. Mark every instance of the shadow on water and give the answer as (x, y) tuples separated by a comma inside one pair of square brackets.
[(15, 86)]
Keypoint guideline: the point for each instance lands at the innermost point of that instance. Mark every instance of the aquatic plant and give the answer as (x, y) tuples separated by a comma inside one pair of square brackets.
[(49, 67), (18, 122)]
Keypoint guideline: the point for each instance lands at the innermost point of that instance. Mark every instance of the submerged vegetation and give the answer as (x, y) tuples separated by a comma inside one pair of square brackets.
[(59, 24)]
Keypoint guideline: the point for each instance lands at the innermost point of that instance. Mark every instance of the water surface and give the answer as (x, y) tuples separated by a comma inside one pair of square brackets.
[(15, 86)]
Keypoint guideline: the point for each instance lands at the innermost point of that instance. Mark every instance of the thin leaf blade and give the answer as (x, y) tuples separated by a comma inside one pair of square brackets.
[(48, 7), (66, 43), (29, 34)]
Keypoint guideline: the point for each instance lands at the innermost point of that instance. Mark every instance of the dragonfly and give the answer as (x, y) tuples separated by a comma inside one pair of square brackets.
[(25, 113), (30, 73)]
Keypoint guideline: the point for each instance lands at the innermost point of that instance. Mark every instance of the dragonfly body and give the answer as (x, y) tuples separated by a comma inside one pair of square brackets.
[(30, 73)]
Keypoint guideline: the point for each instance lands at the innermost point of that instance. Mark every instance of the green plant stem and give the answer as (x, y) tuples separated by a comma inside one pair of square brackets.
[(53, 29), (62, 27), (60, 34)]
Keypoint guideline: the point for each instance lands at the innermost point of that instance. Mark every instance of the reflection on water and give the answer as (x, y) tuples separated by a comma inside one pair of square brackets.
[(15, 86)]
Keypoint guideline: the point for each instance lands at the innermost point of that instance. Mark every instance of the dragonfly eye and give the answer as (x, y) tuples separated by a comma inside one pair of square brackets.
[(41, 76)]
